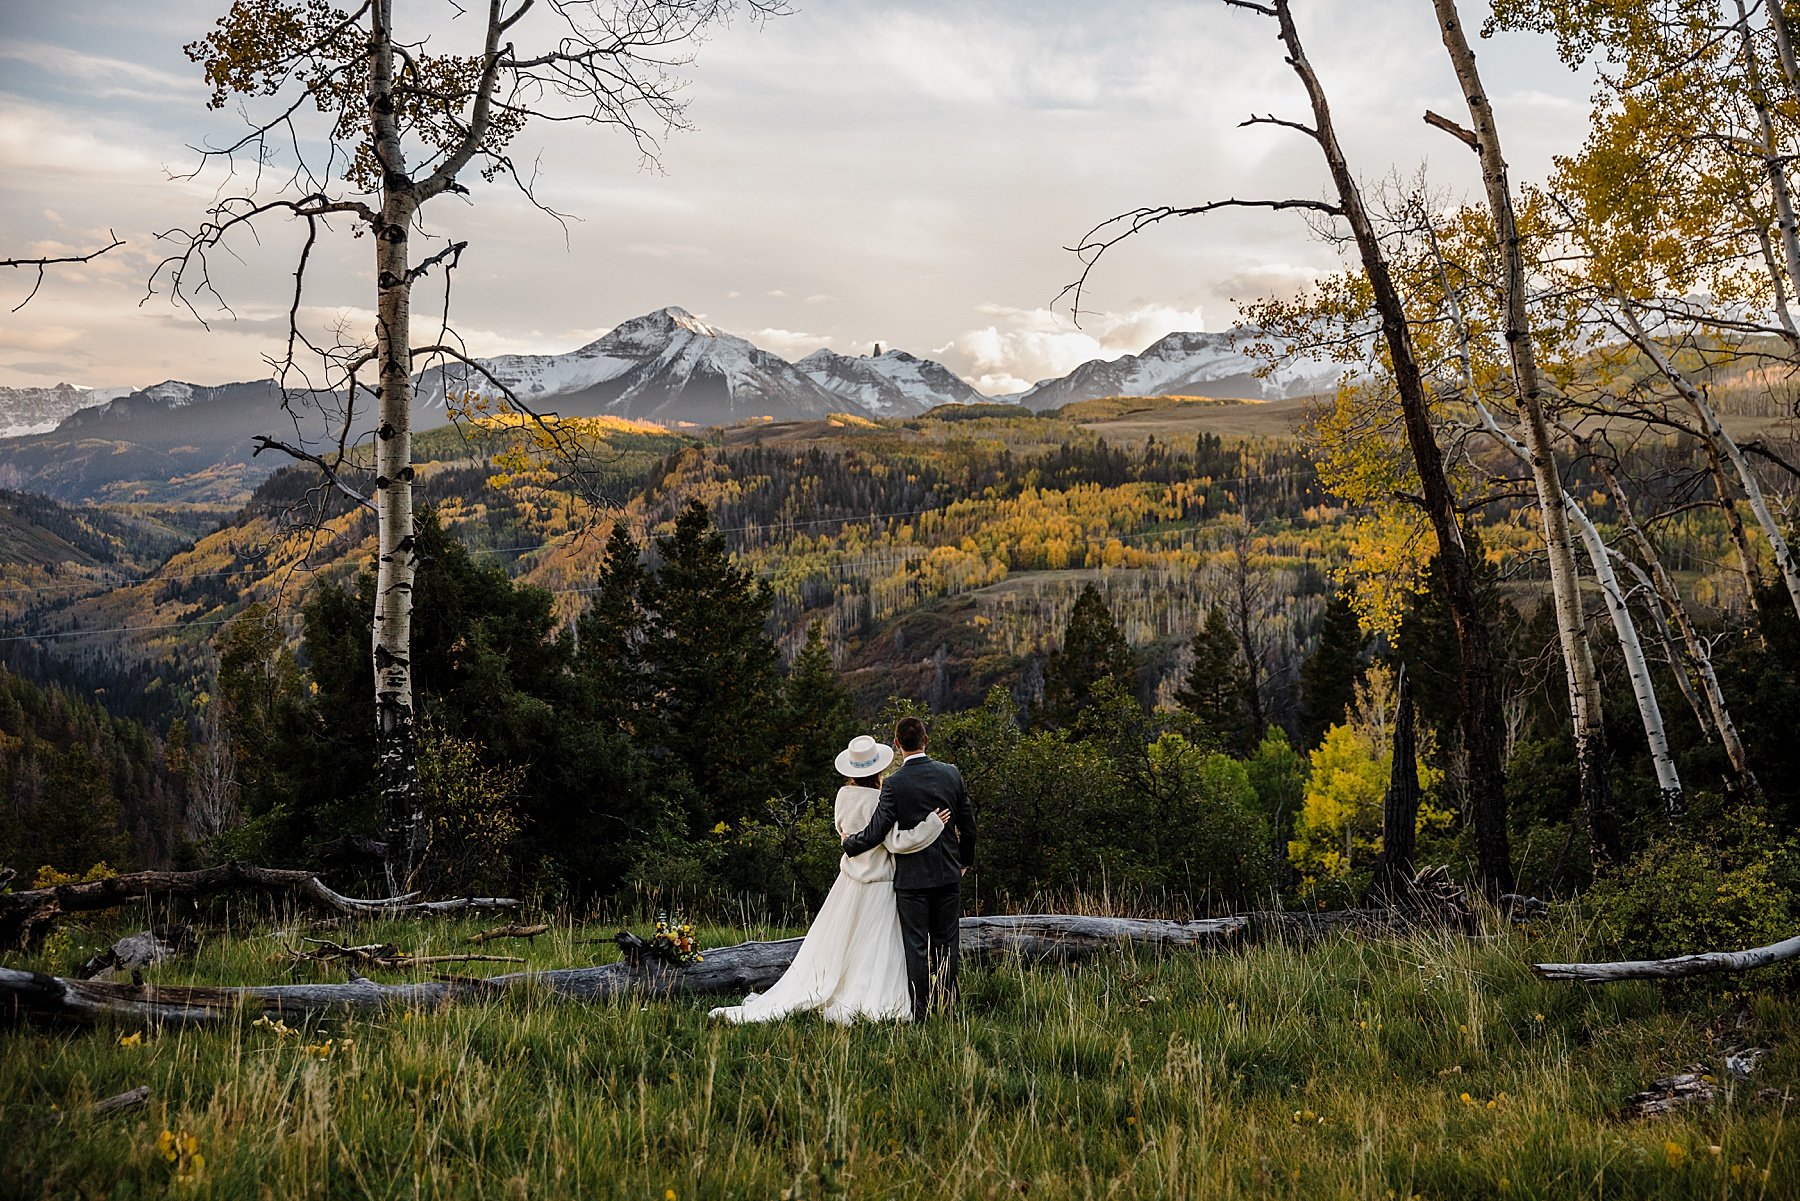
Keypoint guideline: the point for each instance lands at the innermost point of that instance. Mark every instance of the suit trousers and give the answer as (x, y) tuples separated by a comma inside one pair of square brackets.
[(929, 921)]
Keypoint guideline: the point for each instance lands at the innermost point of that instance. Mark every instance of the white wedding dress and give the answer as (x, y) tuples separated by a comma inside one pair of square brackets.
[(851, 963)]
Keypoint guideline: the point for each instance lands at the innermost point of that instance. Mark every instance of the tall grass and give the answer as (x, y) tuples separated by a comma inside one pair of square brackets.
[(1432, 1066)]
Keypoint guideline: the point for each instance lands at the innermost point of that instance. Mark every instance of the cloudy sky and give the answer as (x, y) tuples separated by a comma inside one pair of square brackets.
[(861, 171)]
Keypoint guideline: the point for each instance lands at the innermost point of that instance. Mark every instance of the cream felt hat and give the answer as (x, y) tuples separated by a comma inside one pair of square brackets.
[(864, 757)]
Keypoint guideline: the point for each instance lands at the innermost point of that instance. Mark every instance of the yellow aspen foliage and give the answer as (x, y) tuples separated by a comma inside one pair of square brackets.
[(1338, 829)]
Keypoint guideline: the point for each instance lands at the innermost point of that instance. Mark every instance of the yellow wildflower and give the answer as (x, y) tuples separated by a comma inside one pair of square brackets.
[(134, 1039), (1674, 1152)]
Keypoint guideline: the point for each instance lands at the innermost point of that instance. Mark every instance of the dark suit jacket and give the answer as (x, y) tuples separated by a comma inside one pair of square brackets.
[(907, 797)]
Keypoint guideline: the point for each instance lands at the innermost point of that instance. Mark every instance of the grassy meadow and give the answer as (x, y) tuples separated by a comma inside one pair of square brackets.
[(1435, 1067)]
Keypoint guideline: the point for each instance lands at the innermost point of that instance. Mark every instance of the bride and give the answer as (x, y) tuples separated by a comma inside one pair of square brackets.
[(851, 963)]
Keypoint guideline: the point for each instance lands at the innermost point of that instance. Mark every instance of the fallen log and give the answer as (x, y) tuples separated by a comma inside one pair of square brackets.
[(510, 932), (385, 955), (1681, 965), (25, 917), (739, 969)]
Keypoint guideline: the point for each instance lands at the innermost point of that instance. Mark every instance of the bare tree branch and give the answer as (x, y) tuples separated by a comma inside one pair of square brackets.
[(41, 264), (1456, 131), (264, 442), (1103, 237)]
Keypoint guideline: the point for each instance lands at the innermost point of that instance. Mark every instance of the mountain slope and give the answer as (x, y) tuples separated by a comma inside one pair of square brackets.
[(893, 384), (1182, 364), (667, 366), (173, 441), (38, 410)]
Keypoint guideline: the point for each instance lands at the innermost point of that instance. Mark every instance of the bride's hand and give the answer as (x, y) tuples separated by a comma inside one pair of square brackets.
[(943, 815)]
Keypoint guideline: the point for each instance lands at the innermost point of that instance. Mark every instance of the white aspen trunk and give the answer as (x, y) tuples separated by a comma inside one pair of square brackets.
[(1694, 648), (1709, 422), (1777, 278), (1784, 47), (1571, 626), (397, 771), (1684, 675), (1774, 165), (1643, 688)]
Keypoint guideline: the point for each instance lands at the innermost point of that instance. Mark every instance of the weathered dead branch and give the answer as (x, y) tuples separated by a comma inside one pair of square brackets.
[(25, 917), (1696, 1086), (118, 1103), (1682, 965), (510, 932), (143, 949), (384, 955)]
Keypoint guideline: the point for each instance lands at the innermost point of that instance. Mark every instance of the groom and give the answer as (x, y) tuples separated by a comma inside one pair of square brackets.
[(927, 883)]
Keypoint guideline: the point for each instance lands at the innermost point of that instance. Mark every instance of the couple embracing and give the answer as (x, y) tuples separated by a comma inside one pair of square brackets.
[(884, 944)]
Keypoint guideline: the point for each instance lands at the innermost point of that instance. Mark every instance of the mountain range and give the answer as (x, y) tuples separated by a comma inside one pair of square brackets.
[(38, 410), (668, 367)]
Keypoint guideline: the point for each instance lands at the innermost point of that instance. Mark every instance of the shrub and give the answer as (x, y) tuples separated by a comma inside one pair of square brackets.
[(787, 855), (1730, 881), (471, 814)]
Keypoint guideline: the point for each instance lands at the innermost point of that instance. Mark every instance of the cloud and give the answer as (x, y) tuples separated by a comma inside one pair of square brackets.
[(43, 142), (670, 250), (59, 368), (102, 76), (789, 344), (909, 162), (1023, 346), (1273, 281)]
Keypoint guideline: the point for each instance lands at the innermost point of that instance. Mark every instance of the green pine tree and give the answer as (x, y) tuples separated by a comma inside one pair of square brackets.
[(712, 669), (817, 719), (610, 634), (1216, 685), (1329, 677), (1093, 649)]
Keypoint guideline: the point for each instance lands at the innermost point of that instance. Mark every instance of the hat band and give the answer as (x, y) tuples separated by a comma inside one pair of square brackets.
[(871, 761)]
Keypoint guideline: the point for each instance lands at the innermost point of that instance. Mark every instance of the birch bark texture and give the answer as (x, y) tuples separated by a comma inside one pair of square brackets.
[(396, 760), (1565, 584)]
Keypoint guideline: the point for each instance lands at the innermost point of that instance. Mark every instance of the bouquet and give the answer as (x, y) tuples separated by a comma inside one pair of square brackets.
[(673, 944)]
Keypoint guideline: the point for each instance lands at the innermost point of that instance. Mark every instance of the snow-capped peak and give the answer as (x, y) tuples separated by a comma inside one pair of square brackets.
[(687, 321), (173, 393), (890, 384)]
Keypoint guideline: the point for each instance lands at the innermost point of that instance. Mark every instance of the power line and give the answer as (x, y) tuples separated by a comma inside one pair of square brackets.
[(172, 625)]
